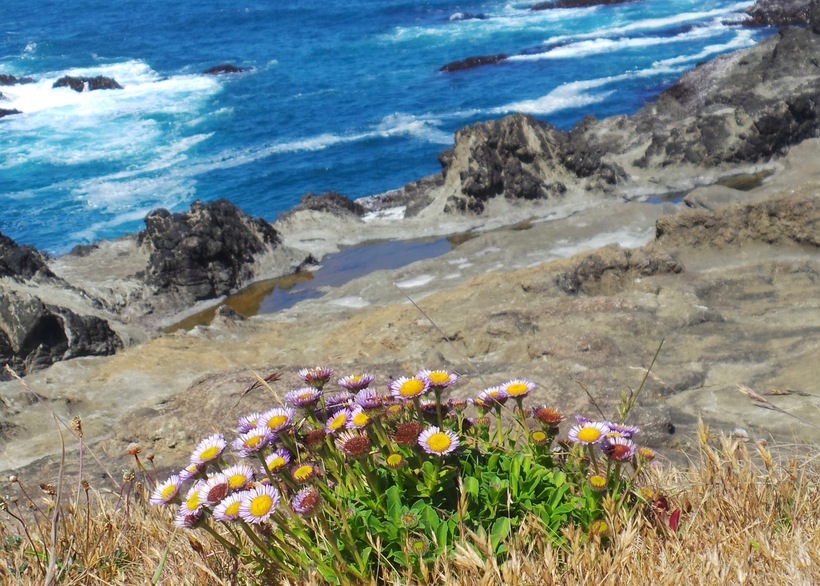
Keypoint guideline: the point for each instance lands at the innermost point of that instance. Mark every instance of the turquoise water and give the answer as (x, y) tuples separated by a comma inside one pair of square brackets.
[(343, 96)]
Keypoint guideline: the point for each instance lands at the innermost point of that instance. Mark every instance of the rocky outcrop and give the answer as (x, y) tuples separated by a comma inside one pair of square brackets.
[(779, 12), (6, 112), (775, 221), (81, 84), (518, 157), (330, 202), (223, 69), (472, 62), (204, 253), (6, 79), (611, 269), (21, 263)]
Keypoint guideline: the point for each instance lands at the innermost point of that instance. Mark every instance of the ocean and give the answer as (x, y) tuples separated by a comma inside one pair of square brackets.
[(342, 96)]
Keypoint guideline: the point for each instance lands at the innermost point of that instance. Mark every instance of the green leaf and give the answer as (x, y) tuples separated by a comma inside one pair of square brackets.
[(500, 531), (394, 504), (471, 487)]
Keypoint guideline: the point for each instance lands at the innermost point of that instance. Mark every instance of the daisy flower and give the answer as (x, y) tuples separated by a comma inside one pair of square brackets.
[(192, 503), (517, 388), (407, 434), (339, 400), (596, 482), (394, 461), (214, 490), (547, 416), (369, 399), (356, 382), (189, 472), (304, 397), (619, 449), (491, 397), (186, 521), (253, 441), (316, 377), (258, 504), (165, 492), (305, 501), (438, 378), (239, 476), (247, 422), (539, 438), (438, 442), (208, 449), (647, 454), (358, 419), (353, 444), (337, 421), (277, 461), (228, 508), (408, 388), (303, 472), (591, 432), (621, 430), (458, 405), (277, 419)]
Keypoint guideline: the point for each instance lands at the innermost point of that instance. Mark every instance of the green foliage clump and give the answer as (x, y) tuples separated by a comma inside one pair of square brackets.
[(350, 483)]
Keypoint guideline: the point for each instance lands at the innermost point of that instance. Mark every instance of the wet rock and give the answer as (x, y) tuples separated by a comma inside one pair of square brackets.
[(611, 269), (224, 68), (6, 112), (21, 263), (34, 335), (81, 84), (473, 62), (779, 12), (6, 79), (205, 253)]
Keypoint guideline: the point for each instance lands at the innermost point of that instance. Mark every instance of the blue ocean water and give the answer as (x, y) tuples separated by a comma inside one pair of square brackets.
[(343, 96)]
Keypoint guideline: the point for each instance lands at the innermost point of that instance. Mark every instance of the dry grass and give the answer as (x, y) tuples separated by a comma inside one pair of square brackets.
[(749, 515)]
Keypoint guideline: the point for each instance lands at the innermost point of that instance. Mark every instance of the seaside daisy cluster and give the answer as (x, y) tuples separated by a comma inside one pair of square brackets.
[(346, 480)]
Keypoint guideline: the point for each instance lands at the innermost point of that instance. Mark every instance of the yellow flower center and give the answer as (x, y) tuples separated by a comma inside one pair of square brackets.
[(516, 389), (411, 388), (253, 441), (260, 505), (305, 396), (589, 434), (168, 491), (539, 436), (597, 481), (338, 421), (277, 421), (360, 419), (355, 379), (193, 503), (303, 473), (232, 510), (394, 460), (209, 453), (277, 464), (439, 442), (237, 480), (439, 378)]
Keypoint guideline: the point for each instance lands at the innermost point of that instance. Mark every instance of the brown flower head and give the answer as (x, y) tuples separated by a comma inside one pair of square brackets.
[(407, 434)]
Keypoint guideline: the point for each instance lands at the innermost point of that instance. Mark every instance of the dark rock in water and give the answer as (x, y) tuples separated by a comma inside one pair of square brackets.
[(205, 253), (814, 18), (459, 16), (224, 69), (11, 80), (472, 62), (80, 84), (779, 12), (21, 263), (34, 335), (520, 158), (611, 269), (575, 4), (4, 112), (330, 202)]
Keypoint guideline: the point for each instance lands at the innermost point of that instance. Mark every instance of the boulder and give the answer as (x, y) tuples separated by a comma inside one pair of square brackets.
[(81, 84), (6, 112), (223, 69), (6, 79), (205, 253), (34, 335), (330, 202), (472, 62), (575, 4)]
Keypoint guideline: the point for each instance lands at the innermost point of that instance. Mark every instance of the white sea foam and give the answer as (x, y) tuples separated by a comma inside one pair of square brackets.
[(419, 281)]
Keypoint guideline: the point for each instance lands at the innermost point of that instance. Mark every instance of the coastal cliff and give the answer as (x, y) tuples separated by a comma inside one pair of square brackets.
[(531, 196)]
